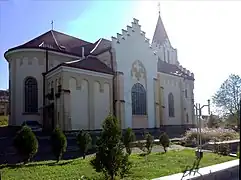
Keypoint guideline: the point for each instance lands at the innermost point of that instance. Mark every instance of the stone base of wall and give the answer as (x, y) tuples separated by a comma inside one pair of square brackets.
[(173, 131)]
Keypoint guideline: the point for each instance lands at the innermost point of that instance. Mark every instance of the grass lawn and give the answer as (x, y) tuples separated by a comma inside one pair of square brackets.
[(3, 121), (157, 165)]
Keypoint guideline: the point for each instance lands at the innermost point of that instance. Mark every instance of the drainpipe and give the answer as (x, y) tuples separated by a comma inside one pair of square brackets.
[(113, 82), (83, 52), (46, 70)]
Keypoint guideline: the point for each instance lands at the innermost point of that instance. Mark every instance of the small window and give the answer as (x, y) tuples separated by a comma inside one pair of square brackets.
[(185, 93), (168, 56), (187, 118), (171, 105)]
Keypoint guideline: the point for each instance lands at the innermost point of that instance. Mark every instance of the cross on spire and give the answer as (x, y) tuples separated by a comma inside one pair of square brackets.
[(159, 8), (52, 24)]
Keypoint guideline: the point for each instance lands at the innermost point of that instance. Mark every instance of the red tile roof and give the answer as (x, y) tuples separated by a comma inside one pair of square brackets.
[(67, 44), (57, 41), (90, 63), (101, 46), (172, 69)]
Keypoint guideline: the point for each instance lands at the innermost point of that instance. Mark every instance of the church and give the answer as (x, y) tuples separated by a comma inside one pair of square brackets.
[(64, 81)]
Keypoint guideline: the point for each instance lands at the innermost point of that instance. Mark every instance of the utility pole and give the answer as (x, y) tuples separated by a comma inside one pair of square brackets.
[(198, 107)]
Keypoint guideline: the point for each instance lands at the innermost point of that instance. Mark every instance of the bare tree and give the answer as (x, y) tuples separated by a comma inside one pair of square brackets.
[(228, 96)]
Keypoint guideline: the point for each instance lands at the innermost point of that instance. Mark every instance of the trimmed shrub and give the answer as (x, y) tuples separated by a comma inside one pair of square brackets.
[(128, 138), (110, 157), (164, 141), (26, 143), (84, 141), (222, 149), (59, 143), (149, 142)]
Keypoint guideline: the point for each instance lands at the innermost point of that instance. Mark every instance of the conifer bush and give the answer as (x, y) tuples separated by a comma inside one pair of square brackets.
[(129, 137), (146, 147), (238, 153), (149, 142), (110, 157), (59, 143), (26, 143), (84, 142), (164, 141)]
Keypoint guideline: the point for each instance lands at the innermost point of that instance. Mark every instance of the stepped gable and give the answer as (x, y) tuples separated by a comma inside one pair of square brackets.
[(135, 28)]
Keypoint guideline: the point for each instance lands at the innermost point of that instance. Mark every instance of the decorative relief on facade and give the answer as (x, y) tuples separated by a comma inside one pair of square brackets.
[(101, 89), (20, 62), (41, 62), (138, 70), (59, 81), (78, 87), (30, 62)]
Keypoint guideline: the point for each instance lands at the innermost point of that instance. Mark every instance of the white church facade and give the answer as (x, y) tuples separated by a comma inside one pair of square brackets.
[(60, 80)]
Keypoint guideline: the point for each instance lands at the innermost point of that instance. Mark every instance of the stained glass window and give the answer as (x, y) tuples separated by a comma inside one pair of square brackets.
[(138, 99), (31, 95)]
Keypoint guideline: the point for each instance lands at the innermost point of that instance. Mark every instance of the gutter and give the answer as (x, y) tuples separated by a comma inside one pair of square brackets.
[(113, 82), (44, 87)]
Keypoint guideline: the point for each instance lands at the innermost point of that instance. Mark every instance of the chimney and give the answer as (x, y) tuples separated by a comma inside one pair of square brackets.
[(83, 52)]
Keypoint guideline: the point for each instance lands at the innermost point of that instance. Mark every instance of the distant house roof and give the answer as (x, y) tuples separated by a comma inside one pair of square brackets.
[(89, 63)]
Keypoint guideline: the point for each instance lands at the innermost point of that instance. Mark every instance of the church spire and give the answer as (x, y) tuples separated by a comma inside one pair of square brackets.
[(160, 35)]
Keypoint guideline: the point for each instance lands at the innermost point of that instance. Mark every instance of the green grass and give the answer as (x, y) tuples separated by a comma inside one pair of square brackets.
[(157, 165), (3, 121)]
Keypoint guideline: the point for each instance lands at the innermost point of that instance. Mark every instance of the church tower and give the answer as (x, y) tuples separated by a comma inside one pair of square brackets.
[(160, 36), (162, 45)]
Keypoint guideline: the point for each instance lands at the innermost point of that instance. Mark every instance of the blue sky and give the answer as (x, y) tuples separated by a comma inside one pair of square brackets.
[(207, 34)]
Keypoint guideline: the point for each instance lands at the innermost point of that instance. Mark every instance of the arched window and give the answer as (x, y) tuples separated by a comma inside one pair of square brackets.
[(187, 118), (138, 96), (171, 105), (31, 95)]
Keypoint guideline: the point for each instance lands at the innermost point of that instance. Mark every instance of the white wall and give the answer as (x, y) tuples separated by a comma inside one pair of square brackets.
[(171, 84), (130, 48), (102, 103), (79, 102), (25, 63), (177, 86)]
